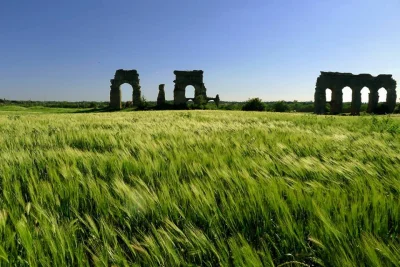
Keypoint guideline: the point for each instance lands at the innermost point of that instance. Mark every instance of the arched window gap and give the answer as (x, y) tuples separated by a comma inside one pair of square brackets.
[(382, 95), (189, 91), (126, 92), (347, 94)]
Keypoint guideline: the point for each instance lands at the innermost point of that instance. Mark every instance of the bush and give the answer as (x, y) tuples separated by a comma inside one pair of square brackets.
[(200, 102), (93, 105), (281, 106), (254, 104), (397, 109), (143, 103)]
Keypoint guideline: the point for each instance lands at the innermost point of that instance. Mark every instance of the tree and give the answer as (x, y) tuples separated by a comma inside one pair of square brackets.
[(254, 104), (281, 106)]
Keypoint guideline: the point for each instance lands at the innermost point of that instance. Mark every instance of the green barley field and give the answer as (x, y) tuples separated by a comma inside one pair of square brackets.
[(198, 188)]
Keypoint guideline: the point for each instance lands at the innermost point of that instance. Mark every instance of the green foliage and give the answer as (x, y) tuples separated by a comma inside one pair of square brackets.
[(254, 104), (93, 105), (281, 106), (200, 102), (143, 103), (198, 188), (397, 109), (128, 104)]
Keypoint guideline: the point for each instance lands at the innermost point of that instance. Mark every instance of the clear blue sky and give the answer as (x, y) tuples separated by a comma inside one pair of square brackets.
[(69, 50)]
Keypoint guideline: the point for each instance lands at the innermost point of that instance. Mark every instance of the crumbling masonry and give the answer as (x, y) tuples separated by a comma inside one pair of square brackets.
[(161, 95), (336, 81), (183, 79), (124, 76), (195, 79)]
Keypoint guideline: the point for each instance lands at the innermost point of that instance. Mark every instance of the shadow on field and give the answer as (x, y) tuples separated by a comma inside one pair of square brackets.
[(96, 110), (158, 107)]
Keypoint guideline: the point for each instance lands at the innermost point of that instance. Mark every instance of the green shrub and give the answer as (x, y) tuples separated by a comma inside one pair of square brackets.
[(281, 106), (254, 104), (200, 102)]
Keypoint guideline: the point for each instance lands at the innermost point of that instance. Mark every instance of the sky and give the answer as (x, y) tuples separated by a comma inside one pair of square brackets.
[(275, 50)]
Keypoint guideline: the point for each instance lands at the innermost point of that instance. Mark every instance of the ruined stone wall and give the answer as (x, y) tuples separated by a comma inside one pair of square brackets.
[(336, 81), (185, 78), (124, 76)]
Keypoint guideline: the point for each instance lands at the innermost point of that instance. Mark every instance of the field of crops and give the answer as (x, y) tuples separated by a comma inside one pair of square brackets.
[(190, 188)]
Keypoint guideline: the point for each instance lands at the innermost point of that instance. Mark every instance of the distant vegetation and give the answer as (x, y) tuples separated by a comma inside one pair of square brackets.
[(224, 105), (254, 104), (198, 188)]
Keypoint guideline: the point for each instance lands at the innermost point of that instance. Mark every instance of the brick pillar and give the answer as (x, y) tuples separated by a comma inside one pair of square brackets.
[(115, 97), (391, 99), (337, 100), (319, 100), (356, 100), (373, 99), (161, 95), (136, 94)]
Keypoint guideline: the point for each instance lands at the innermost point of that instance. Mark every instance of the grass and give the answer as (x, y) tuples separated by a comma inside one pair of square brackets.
[(189, 188)]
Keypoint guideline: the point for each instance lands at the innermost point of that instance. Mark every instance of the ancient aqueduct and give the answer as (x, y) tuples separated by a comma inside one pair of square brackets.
[(336, 81), (182, 80)]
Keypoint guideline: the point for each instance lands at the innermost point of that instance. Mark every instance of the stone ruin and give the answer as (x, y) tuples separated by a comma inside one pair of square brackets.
[(195, 79), (124, 76), (161, 95), (336, 81), (182, 80)]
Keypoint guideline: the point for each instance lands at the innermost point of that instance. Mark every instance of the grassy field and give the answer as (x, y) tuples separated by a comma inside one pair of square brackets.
[(190, 188)]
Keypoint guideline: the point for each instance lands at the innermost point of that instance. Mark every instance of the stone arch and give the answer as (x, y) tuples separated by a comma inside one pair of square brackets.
[(185, 78), (121, 76), (126, 89), (347, 93), (364, 95), (328, 99), (337, 81), (382, 95), (328, 95), (189, 92), (364, 98)]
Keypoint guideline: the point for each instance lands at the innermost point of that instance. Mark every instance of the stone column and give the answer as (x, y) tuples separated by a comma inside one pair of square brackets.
[(356, 100), (319, 100), (161, 95), (217, 100), (136, 94), (373, 99), (337, 100), (179, 94), (391, 99), (115, 96)]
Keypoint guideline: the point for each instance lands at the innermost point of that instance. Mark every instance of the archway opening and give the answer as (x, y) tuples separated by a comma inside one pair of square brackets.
[(364, 99), (382, 107), (328, 96), (328, 93), (382, 95), (347, 94), (126, 95), (365, 95), (189, 91), (347, 98)]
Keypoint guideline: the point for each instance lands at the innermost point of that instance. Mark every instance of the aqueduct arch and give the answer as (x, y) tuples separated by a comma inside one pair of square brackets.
[(336, 81), (124, 76), (185, 78)]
